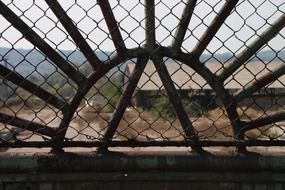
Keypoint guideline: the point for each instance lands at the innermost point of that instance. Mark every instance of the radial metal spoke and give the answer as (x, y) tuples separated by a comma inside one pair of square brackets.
[(37, 41), (126, 97), (150, 24), (217, 86), (74, 33), (231, 109), (183, 25), (27, 125), (214, 27), (174, 98), (265, 37), (112, 26), (34, 89), (259, 83), (263, 121)]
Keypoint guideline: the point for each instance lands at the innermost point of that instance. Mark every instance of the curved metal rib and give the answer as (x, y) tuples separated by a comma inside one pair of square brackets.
[(83, 90), (191, 61), (218, 87)]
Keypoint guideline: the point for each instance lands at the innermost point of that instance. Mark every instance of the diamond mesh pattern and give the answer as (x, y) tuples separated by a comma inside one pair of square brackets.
[(142, 73)]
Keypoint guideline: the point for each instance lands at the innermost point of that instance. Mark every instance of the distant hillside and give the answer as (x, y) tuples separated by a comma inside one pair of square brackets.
[(27, 61), (263, 55)]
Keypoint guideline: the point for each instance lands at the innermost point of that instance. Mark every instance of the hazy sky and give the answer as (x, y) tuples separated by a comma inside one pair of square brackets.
[(250, 17)]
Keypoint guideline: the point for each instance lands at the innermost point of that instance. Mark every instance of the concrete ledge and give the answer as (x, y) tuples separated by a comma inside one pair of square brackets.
[(152, 170), (137, 162), (125, 176)]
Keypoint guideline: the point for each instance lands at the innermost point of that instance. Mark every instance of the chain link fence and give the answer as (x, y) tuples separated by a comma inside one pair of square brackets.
[(142, 73)]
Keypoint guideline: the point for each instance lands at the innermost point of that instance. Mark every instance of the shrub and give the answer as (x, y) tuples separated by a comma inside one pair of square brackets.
[(166, 109), (140, 99), (111, 92), (192, 106)]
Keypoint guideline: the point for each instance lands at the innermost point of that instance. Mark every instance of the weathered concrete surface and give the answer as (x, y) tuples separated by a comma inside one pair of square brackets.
[(46, 171), (138, 185)]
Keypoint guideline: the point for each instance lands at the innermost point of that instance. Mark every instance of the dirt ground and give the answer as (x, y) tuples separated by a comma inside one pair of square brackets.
[(141, 126), (87, 124)]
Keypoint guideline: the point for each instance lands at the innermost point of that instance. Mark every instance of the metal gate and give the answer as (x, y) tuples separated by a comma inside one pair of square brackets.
[(142, 73)]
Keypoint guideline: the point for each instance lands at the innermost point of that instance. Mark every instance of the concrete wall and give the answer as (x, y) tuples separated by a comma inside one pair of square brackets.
[(177, 170)]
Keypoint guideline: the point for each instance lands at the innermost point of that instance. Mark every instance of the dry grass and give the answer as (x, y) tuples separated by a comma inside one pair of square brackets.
[(88, 124), (213, 129), (243, 112), (45, 116), (145, 126), (134, 125)]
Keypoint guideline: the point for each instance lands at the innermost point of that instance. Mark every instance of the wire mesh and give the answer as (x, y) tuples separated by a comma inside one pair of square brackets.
[(142, 73)]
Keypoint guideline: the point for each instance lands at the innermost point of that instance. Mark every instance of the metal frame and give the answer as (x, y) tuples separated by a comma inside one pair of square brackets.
[(150, 51)]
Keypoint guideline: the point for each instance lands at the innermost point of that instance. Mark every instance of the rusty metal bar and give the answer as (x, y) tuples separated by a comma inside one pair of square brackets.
[(118, 59), (83, 90), (151, 50), (214, 27), (115, 61), (26, 125), (68, 114), (183, 25), (32, 88), (259, 83), (231, 109), (133, 143), (175, 100), (232, 113), (112, 26), (125, 99), (37, 41), (217, 85), (265, 37), (260, 122), (196, 65), (74, 33), (150, 24)]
